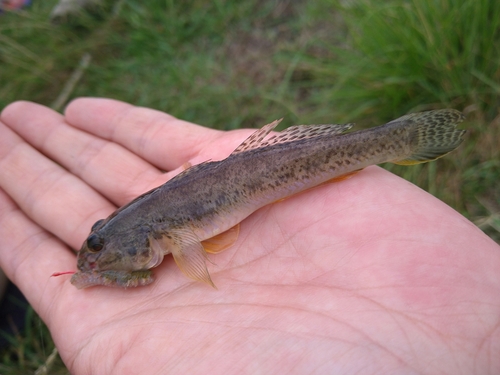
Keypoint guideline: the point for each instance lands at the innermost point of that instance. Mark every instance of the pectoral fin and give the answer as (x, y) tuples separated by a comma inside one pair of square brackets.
[(190, 256), (222, 241)]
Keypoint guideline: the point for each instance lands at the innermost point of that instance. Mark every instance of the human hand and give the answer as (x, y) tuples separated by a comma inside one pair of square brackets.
[(368, 274)]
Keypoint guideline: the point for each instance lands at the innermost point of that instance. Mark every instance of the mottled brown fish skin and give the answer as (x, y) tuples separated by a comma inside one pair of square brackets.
[(211, 197), (264, 175)]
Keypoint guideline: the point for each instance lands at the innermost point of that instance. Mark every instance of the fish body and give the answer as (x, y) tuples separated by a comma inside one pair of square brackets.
[(210, 198)]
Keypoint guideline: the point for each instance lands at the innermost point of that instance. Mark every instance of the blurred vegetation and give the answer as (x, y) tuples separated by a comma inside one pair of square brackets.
[(30, 349), (230, 64)]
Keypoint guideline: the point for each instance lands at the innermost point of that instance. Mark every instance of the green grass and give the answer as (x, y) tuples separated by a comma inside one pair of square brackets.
[(30, 349), (230, 64), (407, 56), (412, 55)]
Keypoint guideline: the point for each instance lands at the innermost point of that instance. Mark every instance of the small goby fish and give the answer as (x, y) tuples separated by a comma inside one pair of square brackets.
[(193, 213)]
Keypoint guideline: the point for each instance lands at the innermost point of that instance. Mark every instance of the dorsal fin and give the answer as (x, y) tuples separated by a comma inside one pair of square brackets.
[(255, 140), (298, 132), (190, 169), (290, 134)]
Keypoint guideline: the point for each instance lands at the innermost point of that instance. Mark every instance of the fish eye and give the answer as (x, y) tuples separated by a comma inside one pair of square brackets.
[(95, 243), (96, 224)]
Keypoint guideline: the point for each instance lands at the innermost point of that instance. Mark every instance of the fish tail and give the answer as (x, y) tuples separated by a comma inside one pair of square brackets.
[(433, 135)]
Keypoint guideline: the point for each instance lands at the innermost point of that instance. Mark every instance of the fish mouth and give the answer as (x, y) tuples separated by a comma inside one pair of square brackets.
[(124, 279)]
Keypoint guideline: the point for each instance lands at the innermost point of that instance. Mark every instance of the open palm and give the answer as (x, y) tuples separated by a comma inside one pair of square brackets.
[(370, 274)]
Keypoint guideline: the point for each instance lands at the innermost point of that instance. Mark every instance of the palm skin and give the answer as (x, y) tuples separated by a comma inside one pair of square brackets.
[(370, 274)]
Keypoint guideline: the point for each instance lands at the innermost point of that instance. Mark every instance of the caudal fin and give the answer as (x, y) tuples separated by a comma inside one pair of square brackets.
[(434, 134)]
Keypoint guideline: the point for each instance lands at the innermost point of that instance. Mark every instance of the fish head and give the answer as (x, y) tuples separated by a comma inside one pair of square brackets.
[(120, 258), (126, 251)]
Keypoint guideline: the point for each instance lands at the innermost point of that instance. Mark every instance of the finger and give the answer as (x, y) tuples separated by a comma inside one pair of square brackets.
[(159, 138), (111, 169), (49, 195), (29, 255)]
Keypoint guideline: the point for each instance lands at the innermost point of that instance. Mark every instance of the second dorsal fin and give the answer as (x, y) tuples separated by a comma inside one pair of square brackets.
[(293, 133), (255, 140), (298, 132)]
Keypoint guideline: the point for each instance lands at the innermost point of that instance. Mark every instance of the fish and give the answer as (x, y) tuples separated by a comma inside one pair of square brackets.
[(199, 210)]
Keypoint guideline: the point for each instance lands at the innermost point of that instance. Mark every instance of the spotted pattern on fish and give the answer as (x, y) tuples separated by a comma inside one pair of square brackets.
[(209, 198)]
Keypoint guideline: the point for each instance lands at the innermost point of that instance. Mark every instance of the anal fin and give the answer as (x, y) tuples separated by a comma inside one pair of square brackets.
[(221, 241), (341, 177), (186, 165)]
